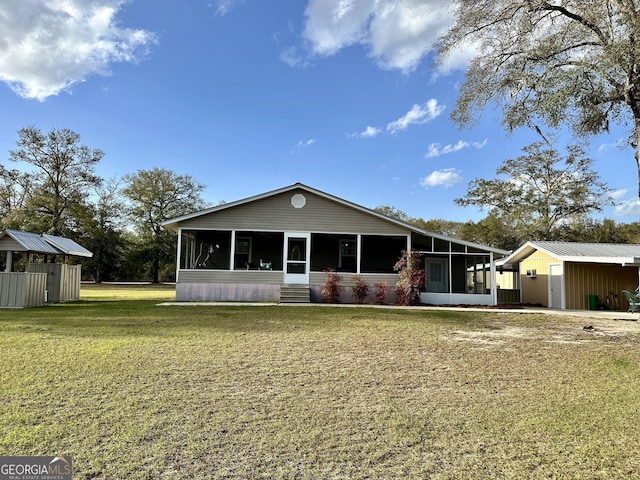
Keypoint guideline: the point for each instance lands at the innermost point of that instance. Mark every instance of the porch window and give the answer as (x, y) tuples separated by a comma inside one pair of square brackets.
[(347, 262), (242, 253)]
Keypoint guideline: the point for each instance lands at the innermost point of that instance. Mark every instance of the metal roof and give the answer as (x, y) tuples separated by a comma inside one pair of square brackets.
[(68, 246), (173, 224), (48, 244), (618, 253)]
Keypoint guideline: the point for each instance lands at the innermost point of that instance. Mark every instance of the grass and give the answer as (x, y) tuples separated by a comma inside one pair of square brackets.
[(133, 390)]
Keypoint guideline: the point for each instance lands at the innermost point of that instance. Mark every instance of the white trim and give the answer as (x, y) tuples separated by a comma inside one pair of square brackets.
[(562, 305), (232, 251), (178, 253), (359, 254), (296, 278)]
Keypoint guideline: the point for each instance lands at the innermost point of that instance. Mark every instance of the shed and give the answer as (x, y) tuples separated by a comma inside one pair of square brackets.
[(40, 277), (565, 275)]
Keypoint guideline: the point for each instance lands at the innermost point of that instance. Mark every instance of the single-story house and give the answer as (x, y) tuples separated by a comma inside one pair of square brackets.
[(568, 275), (280, 243), (36, 269)]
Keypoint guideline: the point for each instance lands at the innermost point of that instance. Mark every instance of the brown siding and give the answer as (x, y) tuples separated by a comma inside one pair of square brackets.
[(536, 290), (584, 279), (276, 213)]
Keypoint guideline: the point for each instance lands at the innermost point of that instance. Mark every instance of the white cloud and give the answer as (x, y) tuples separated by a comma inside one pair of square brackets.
[(446, 177), (302, 145), (629, 207), (47, 46), (224, 6), (617, 194), (292, 57), (397, 34), (436, 150), (368, 132), (417, 115)]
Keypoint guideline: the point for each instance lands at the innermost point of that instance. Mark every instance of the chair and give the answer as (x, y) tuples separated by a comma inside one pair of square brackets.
[(265, 265), (632, 299)]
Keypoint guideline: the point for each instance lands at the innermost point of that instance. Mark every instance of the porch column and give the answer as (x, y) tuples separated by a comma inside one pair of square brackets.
[(494, 280), (232, 250), (359, 253), (178, 255), (10, 260)]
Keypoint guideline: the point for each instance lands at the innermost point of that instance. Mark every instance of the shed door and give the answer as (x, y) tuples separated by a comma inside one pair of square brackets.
[(555, 285), (296, 258)]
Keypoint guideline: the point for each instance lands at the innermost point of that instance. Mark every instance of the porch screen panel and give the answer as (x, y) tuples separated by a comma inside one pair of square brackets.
[(210, 250), (380, 253)]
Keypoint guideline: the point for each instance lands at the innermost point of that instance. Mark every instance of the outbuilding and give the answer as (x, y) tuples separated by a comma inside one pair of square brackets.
[(575, 276), (37, 269)]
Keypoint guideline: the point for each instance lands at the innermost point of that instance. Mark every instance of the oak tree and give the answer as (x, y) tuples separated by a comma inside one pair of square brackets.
[(540, 191), (563, 62)]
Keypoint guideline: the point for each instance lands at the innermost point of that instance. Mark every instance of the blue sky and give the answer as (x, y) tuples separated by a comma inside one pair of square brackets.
[(251, 95)]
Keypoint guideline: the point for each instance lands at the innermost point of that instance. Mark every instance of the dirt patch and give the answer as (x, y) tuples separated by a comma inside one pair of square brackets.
[(569, 333)]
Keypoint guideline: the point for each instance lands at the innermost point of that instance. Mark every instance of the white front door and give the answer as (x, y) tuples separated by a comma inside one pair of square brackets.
[(555, 285), (436, 277), (296, 257)]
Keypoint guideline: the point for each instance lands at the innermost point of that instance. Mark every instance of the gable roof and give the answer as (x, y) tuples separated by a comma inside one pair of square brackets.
[(617, 253), (173, 224), (48, 244)]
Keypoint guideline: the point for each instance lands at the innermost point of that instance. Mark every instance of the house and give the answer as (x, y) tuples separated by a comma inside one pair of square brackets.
[(36, 269), (567, 275), (280, 243)]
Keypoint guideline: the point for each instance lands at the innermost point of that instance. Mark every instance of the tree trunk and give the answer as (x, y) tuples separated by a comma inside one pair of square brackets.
[(637, 151)]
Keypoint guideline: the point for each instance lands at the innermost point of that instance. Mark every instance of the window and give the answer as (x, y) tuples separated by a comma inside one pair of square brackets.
[(347, 255), (243, 252)]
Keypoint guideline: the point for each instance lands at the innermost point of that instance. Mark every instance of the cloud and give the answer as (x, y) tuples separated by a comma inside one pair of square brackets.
[(47, 46), (435, 150), (617, 194), (225, 6), (368, 132), (294, 58), (397, 34), (629, 207), (302, 145), (446, 177), (417, 115)]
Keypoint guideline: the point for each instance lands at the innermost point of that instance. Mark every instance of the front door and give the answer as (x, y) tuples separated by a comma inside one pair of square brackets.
[(436, 278), (296, 258), (555, 285)]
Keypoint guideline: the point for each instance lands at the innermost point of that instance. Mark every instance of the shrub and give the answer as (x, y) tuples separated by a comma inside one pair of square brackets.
[(381, 291), (411, 278), (331, 288), (360, 289)]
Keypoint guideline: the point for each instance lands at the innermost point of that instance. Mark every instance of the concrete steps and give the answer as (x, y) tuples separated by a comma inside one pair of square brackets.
[(295, 294)]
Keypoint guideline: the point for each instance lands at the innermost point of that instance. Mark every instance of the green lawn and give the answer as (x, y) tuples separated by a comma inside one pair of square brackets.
[(136, 391)]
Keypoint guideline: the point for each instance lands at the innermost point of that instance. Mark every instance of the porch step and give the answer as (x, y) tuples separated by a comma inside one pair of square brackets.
[(295, 294)]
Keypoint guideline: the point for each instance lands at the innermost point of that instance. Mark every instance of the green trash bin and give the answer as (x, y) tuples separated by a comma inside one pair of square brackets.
[(593, 302)]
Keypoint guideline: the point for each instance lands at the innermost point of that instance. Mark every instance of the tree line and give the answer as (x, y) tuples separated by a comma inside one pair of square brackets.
[(57, 191), (539, 195)]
